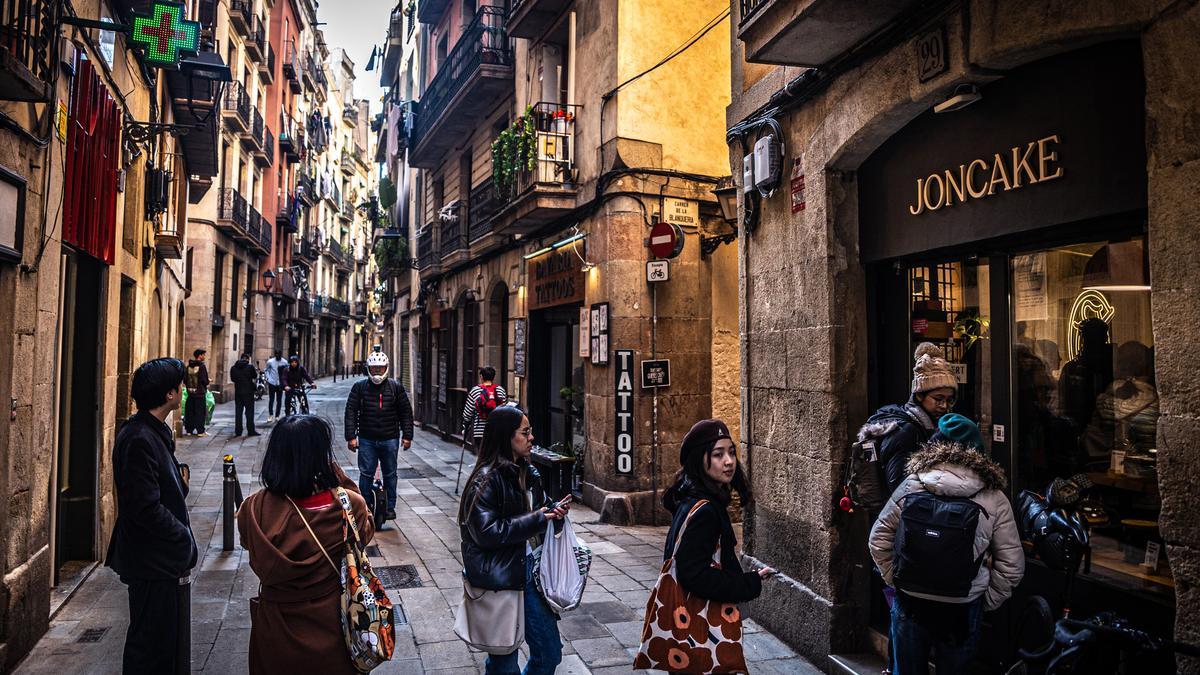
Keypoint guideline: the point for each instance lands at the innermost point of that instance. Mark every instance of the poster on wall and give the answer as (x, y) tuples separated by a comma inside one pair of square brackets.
[(585, 334), (441, 375), (598, 324), (1029, 287), (519, 347), (623, 450)]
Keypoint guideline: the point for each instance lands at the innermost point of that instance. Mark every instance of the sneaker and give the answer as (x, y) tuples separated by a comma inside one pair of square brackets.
[(253, 433), (202, 434), (391, 514), (270, 419)]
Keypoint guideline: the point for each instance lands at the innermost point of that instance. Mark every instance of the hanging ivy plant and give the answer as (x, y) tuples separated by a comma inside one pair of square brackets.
[(391, 254), (513, 151)]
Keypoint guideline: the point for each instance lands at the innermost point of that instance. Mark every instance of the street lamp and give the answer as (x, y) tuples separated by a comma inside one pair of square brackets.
[(268, 279), (727, 198)]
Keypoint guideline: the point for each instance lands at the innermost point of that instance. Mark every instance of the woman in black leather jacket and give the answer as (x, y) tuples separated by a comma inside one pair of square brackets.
[(502, 514)]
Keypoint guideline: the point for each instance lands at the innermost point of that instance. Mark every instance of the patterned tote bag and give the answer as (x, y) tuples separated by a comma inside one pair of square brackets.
[(684, 633), (366, 610)]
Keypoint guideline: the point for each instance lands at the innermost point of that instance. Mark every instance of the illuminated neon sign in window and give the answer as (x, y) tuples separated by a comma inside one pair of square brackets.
[(165, 35)]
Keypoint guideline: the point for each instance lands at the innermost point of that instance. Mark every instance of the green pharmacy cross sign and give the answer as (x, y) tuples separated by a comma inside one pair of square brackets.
[(165, 35)]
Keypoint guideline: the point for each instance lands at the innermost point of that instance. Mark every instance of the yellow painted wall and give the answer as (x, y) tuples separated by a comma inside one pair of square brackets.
[(682, 104)]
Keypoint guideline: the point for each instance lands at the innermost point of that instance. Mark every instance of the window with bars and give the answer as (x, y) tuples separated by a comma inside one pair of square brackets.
[(936, 301), (470, 351)]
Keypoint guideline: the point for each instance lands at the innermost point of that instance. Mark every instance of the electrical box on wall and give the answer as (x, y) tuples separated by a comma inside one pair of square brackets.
[(767, 163), (748, 174)]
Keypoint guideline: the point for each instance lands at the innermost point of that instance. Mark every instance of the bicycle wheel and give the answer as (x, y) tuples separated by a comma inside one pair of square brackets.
[(304, 405), (1035, 632)]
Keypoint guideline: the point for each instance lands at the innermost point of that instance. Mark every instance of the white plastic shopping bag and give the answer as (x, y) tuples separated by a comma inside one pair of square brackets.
[(563, 568)]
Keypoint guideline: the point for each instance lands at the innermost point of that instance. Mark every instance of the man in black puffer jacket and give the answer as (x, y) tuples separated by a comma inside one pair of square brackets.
[(243, 376), (378, 419)]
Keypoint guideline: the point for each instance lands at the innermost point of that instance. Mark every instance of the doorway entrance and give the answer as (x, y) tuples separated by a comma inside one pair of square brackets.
[(553, 385), (74, 476)]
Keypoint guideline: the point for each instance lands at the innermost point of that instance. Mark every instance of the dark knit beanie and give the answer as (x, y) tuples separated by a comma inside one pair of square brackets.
[(702, 436), (959, 429)]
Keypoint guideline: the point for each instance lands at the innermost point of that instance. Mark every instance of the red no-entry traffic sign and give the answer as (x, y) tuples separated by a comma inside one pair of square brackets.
[(666, 240)]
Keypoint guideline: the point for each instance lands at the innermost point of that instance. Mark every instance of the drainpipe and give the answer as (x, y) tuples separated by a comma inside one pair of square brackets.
[(571, 59)]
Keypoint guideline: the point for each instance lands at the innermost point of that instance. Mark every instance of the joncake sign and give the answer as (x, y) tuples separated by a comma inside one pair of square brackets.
[(1033, 163)]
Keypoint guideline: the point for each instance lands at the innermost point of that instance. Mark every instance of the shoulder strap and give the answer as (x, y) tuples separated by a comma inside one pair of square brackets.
[(679, 535), (348, 514), (314, 536)]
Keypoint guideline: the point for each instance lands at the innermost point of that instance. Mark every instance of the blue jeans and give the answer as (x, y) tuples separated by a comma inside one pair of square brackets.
[(541, 634), (372, 453), (950, 631)]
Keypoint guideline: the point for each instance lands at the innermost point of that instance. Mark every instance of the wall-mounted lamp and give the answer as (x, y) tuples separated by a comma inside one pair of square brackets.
[(963, 96), (268, 279)]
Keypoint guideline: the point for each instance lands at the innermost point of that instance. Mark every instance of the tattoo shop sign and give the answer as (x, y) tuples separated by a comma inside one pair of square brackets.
[(624, 412)]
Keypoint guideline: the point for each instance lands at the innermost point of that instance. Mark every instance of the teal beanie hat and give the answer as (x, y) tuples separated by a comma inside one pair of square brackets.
[(959, 429)]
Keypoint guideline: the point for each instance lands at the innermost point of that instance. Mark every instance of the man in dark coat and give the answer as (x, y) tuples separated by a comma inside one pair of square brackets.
[(378, 415), (197, 386), (152, 547), (244, 377)]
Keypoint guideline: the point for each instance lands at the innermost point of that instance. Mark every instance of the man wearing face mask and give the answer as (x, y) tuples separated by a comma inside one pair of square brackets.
[(379, 419)]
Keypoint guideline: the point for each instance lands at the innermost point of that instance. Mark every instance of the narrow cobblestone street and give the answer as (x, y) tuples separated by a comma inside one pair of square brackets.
[(88, 632)]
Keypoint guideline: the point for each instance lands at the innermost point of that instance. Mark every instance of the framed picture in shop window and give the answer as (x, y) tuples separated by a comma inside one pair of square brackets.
[(12, 216), (599, 334)]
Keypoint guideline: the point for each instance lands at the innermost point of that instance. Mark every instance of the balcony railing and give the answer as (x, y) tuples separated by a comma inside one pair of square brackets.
[(291, 66), (265, 236), (484, 41), (426, 255), (254, 224), (240, 13), (749, 7), (306, 188), (256, 40), (268, 153), (232, 211), (555, 163), (254, 136), (283, 212), (360, 308), (454, 234), (266, 67), (484, 205), (236, 107), (305, 249), (27, 32)]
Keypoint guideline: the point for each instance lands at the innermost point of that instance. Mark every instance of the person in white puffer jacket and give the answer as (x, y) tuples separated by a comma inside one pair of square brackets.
[(934, 611)]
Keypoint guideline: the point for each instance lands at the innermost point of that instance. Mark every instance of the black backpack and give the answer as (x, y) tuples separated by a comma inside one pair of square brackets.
[(934, 550)]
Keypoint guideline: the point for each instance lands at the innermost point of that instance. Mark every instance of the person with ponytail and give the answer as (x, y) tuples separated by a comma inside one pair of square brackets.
[(709, 471), (502, 515)]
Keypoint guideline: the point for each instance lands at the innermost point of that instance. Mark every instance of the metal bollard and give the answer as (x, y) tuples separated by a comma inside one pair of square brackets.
[(183, 618), (231, 501)]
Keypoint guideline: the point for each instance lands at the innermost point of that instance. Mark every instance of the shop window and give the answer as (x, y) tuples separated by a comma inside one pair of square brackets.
[(951, 308), (1086, 401)]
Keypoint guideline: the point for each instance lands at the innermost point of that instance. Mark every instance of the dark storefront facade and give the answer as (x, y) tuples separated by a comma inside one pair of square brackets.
[(1036, 235)]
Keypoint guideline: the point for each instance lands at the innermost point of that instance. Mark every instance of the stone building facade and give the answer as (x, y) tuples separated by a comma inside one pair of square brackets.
[(996, 228), (521, 251), (92, 283)]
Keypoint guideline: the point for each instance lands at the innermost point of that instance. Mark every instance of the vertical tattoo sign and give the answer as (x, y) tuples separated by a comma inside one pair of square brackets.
[(624, 408)]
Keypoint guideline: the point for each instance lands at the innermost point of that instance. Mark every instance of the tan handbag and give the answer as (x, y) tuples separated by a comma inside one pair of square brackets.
[(491, 621)]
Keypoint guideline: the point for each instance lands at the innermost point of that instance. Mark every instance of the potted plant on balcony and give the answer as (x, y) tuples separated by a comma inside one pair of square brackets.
[(514, 150), (562, 120)]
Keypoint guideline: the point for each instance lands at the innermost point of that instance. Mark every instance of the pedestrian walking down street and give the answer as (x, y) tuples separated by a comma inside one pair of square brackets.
[(197, 386), (152, 547), (244, 377), (379, 419), (502, 515), (481, 401), (275, 386), (292, 531), (946, 575), (294, 376), (709, 470)]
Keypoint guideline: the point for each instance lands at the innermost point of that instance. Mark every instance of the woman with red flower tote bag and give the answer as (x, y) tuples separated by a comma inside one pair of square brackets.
[(692, 622)]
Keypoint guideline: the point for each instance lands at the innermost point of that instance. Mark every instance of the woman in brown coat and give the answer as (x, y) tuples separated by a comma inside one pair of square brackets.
[(295, 620)]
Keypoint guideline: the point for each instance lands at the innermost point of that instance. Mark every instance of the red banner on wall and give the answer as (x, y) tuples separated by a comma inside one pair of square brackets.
[(93, 156)]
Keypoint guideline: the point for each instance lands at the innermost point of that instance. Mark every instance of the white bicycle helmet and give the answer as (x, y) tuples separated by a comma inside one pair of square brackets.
[(375, 360)]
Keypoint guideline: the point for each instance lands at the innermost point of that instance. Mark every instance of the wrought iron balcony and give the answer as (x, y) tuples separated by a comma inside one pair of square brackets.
[(27, 32), (266, 67), (283, 212), (535, 196), (291, 66), (306, 70), (532, 18), (267, 156), (232, 212), (254, 223), (482, 211), (256, 40), (477, 71), (305, 250), (454, 237), (306, 188), (168, 240), (240, 16), (235, 107), (428, 260), (265, 237), (253, 137), (350, 114), (289, 145)]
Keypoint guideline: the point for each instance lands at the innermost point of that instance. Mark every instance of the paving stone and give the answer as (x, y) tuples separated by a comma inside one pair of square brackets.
[(763, 646), (628, 633), (610, 611), (450, 654), (574, 626), (605, 651)]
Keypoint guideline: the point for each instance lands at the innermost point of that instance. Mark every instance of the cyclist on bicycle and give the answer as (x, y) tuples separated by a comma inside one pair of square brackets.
[(293, 377)]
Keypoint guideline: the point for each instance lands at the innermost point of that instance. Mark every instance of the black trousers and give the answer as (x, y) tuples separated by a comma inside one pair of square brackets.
[(275, 402), (243, 406), (194, 414), (159, 637)]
